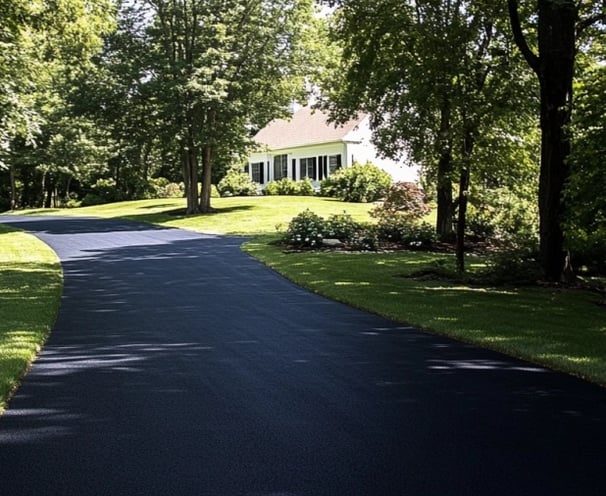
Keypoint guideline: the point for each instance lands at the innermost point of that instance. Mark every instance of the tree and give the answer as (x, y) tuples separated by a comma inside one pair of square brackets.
[(223, 68), (585, 226), (435, 77), (559, 25), (45, 45)]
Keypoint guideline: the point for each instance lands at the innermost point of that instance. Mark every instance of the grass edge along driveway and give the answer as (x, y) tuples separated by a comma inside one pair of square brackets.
[(31, 283), (558, 328)]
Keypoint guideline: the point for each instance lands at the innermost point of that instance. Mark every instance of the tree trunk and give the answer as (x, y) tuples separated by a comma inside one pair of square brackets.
[(207, 161), (554, 67), (557, 22), (13, 187), (49, 195), (445, 210), (462, 219), (191, 170), (464, 182)]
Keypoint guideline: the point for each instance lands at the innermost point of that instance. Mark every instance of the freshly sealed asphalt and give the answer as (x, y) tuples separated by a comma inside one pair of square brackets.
[(181, 366)]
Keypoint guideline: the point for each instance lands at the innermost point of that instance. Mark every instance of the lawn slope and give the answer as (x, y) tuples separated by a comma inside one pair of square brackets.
[(30, 289)]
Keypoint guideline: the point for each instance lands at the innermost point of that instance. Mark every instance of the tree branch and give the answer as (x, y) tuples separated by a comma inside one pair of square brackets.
[(518, 36), (590, 21)]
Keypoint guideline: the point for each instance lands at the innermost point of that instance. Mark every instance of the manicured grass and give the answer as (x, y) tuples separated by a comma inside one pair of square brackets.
[(562, 329), (559, 328), (30, 289), (237, 215)]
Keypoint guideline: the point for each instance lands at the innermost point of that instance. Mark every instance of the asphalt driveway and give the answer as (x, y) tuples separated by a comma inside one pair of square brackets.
[(180, 366)]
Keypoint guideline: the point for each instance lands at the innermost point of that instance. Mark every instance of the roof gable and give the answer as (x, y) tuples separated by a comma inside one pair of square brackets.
[(307, 126)]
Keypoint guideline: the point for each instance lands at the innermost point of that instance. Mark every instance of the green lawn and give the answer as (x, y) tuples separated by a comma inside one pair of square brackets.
[(30, 289), (238, 215), (562, 329)]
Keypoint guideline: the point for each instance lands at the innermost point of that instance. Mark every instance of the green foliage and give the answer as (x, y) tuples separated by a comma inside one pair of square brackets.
[(288, 187), (305, 230), (504, 215), (237, 69), (515, 267), (103, 191), (413, 235), (161, 187), (358, 183), (341, 226), (236, 183), (309, 229), (588, 249), (585, 225)]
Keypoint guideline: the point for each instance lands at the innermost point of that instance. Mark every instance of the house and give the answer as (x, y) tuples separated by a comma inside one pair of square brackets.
[(307, 145)]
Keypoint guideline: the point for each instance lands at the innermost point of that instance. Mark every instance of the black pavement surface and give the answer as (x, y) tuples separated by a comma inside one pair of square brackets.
[(180, 366)]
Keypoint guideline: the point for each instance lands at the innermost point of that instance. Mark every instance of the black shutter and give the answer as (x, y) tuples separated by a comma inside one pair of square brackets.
[(294, 169)]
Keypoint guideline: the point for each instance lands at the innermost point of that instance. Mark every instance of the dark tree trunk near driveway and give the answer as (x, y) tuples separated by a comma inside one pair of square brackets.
[(554, 67)]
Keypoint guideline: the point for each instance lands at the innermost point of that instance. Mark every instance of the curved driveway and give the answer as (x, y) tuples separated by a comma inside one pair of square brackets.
[(181, 366)]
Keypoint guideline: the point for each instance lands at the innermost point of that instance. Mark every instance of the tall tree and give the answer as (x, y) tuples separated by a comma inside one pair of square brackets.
[(559, 25), (435, 77), (45, 45), (224, 67)]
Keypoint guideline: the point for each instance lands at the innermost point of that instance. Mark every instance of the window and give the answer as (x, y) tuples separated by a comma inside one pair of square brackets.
[(334, 163), (256, 171), (280, 167), (308, 167)]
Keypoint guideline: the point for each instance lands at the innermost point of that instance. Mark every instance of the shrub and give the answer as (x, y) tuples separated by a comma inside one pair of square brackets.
[(104, 191), (364, 239), (394, 228), (588, 249), (358, 183), (305, 187), (405, 201), (341, 227), (510, 267), (288, 187), (305, 230), (160, 187), (502, 215), (236, 183)]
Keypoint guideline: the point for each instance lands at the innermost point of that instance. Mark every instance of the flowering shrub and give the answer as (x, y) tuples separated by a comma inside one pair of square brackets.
[(341, 227), (412, 235), (306, 230)]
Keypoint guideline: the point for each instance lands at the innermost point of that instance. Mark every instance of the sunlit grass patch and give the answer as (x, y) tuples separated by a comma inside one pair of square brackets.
[(236, 215), (30, 289)]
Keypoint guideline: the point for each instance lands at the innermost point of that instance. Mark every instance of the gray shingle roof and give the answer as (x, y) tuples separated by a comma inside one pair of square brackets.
[(306, 127)]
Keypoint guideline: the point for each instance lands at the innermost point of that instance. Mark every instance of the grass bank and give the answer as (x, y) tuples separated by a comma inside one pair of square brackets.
[(30, 289), (559, 328)]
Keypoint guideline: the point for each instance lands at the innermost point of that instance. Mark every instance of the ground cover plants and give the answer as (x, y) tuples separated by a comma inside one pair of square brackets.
[(30, 288)]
